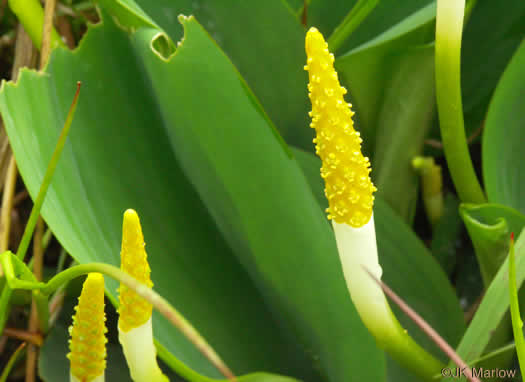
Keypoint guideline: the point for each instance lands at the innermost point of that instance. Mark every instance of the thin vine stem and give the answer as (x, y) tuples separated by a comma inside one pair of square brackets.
[(48, 176)]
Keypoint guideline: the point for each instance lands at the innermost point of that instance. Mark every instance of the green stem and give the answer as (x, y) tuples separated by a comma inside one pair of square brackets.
[(31, 15), (35, 212), (517, 323), (449, 27), (5, 297), (353, 19)]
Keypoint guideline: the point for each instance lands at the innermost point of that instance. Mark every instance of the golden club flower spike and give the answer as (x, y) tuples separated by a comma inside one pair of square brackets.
[(345, 169), (134, 325), (88, 341), (349, 191)]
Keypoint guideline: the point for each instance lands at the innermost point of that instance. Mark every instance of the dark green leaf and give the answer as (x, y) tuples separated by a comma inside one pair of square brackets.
[(485, 53), (366, 69), (264, 40), (445, 235), (404, 120), (327, 14), (503, 164)]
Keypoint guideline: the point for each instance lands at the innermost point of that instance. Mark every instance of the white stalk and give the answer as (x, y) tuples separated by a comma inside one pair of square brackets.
[(358, 251), (141, 354)]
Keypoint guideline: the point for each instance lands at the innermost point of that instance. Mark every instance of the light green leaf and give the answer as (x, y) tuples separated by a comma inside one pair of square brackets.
[(118, 157)]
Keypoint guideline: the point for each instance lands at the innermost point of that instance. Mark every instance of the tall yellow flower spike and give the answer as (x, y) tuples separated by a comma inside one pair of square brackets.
[(349, 191), (134, 325), (345, 170), (88, 341), (134, 310)]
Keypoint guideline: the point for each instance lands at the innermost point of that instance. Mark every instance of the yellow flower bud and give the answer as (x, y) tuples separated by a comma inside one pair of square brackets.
[(135, 324), (134, 310)]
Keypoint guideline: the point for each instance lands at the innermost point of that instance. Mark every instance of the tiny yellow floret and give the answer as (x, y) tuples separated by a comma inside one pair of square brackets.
[(88, 341), (345, 170), (134, 311)]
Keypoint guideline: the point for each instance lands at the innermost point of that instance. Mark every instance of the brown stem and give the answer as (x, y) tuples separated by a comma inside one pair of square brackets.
[(7, 204), (23, 335), (49, 12)]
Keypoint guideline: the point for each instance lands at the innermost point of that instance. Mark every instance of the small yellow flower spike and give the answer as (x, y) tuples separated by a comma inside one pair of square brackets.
[(88, 341), (135, 321), (134, 311), (345, 170)]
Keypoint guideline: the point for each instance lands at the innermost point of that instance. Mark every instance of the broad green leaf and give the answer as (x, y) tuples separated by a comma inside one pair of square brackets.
[(366, 69), (118, 157), (409, 269), (503, 164), (493, 308), (403, 122), (263, 39), (247, 177), (489, 227)]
